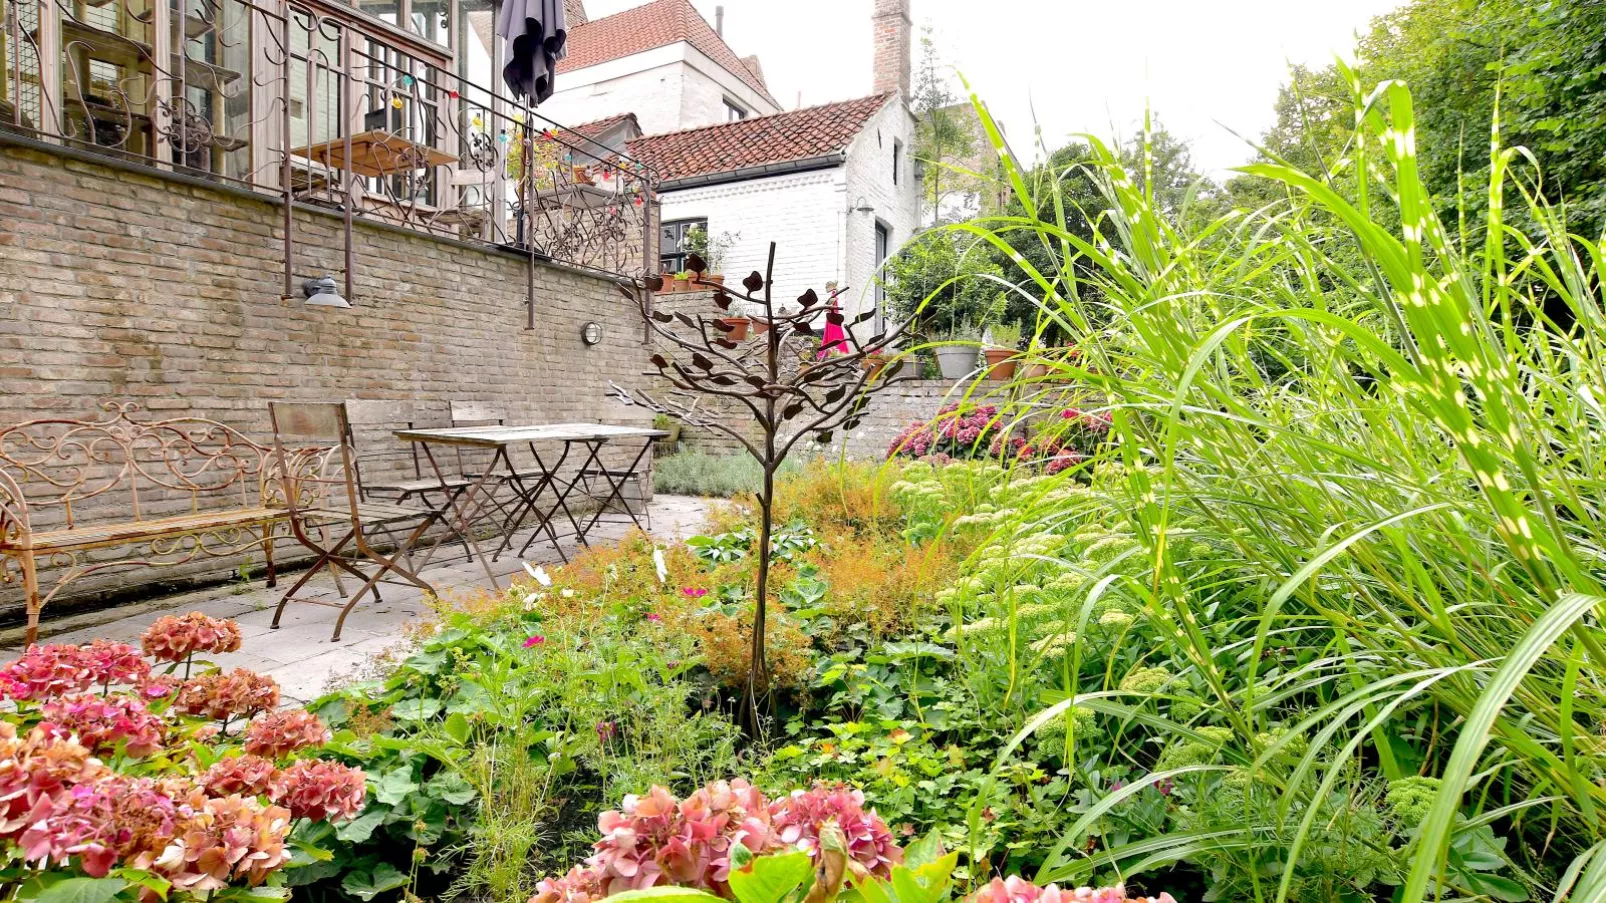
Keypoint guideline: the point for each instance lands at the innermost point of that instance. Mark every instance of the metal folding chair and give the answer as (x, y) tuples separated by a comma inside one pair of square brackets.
[(388, 470), (605, 486), (317, 470), (526, 483)]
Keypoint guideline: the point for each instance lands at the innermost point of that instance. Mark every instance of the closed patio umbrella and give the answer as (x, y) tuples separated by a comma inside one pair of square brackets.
[(534, 33)]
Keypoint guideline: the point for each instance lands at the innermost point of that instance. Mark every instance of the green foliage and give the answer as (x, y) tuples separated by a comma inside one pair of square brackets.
[(710, 475), (944, 282)]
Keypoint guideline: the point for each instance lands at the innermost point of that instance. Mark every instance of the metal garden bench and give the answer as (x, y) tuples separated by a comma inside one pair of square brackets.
[(175, 490)]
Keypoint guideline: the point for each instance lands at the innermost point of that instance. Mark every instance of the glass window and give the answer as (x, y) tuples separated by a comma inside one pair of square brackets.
[(897, 160), (387, 11), (431, 20), (672, 243), (734, 112)]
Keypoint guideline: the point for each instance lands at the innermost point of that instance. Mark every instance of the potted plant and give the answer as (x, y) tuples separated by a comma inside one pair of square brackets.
[(681, 281), (738, 328), (670, 425), (1001, 353), (956, 358), (711, 250)]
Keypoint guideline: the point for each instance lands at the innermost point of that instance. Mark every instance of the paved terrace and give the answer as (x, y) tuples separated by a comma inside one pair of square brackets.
[(299, 655)]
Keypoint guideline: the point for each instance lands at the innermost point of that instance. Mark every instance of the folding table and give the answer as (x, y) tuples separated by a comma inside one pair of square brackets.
[(473, 503)]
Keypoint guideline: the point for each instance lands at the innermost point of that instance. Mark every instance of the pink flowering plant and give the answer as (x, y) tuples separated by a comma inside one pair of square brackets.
[(727, 841), (957, 432), (119, 783)]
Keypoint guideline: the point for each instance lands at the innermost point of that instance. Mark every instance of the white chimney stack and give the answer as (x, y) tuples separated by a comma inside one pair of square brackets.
[(719, 21)]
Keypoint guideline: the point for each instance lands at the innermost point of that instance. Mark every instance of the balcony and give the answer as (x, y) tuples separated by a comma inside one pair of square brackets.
[(383, 111)]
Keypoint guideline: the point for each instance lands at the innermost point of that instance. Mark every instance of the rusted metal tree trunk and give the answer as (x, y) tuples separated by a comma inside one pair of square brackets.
[(819, 395)]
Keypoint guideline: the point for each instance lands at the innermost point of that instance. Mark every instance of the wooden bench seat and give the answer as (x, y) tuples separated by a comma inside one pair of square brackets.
[(102, 534)]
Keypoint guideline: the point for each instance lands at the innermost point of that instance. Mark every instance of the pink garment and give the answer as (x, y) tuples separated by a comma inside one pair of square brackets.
[(835, 337)]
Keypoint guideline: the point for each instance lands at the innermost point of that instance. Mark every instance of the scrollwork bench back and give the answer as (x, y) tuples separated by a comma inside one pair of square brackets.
[(181, 488)]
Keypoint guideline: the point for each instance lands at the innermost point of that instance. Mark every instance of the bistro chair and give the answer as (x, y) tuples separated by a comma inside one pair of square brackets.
[(526, 483), (389, 470), (328, 515)]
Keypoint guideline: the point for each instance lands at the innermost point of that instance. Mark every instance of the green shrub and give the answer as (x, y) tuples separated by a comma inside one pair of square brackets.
[(714, 476)]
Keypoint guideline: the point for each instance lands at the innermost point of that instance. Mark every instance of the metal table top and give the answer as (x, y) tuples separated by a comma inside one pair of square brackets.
[(496, 436)]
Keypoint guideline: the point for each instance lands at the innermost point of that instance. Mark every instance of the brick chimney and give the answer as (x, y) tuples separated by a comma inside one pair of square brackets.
[(574, 12), (891, 26)]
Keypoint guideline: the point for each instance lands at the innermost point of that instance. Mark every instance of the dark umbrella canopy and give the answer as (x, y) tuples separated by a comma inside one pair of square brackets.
[(533, 34)]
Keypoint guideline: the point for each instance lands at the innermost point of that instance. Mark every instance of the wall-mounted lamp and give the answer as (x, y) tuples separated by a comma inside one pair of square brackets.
[(863, 206), (322, 293), (591, 333)]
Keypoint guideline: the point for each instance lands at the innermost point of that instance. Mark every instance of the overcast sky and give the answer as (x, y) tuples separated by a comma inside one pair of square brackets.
[(1071, 65)]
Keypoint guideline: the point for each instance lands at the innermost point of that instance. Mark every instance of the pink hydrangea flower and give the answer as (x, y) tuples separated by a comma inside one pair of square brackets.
[(175, 639), (532, 641), (222, 697), (44, 672), (278, 734), (101, 722), (249, 775), (320, 790), (1018, 890), (799, 817)]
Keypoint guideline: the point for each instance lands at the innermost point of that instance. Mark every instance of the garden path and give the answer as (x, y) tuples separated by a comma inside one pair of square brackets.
[(299, 655)]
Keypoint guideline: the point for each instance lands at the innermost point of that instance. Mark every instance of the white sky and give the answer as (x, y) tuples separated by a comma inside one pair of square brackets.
[(1071, 65)]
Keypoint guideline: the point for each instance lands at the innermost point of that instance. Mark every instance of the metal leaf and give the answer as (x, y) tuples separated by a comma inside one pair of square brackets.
[(722, 326), (659, 361), (851, 424), (802, 329), (792, 410), (696, 263), (756, 382), (663, 316), (808, 298), (722, 381), (835, 318), (835, 395), (753, 282), (655, 283), (685, 319), (823, 436), (726, 344), (702, 361), (864, 316), (722, 301)]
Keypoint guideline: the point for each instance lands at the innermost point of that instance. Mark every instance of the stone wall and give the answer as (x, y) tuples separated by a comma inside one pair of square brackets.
[(119, 283)]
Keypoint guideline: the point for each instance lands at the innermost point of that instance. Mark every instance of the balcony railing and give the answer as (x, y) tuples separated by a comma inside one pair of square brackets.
[(326, 107)]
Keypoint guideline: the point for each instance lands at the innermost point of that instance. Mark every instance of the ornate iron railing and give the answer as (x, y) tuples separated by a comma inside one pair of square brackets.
[(325, 108)]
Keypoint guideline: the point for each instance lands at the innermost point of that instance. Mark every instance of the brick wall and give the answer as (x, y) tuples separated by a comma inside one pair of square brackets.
[(122, 284)]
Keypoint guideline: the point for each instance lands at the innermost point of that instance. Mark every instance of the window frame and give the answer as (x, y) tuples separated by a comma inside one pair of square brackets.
[(736, 110), (897, 161), (678, 256)]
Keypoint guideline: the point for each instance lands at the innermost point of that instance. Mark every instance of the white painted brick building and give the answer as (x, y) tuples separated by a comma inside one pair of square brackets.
[(831, 185)]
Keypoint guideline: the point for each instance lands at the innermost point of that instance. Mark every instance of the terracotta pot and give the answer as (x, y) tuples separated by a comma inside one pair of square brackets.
[(738, 327), (716, 278), (1036, 371), (680, 285), (1000, 362), (874, 364), (760, 327)]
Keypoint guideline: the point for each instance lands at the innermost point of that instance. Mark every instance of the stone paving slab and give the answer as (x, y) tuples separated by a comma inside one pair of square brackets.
[(300, 655)]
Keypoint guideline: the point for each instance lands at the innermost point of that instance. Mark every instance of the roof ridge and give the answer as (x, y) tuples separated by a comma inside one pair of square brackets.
[(626, 11), (883, 97)]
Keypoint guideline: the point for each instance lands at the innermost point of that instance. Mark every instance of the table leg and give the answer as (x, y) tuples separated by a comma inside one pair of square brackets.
[(616, 489), (463, 504)]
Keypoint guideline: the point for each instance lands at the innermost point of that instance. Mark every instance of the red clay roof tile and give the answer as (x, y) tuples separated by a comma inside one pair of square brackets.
[(779, 138)]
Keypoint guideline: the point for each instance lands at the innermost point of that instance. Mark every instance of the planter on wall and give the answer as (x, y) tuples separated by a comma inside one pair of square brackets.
[(738, 327), (956, 361), (680, 284), (1000, 362)]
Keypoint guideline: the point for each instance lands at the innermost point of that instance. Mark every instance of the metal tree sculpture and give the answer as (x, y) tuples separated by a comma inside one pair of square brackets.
[(789, 395)]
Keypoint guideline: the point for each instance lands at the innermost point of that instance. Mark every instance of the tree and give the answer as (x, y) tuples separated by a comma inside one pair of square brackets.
[(941, 280), (947, 141), (790, 399), (1546, 64)]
